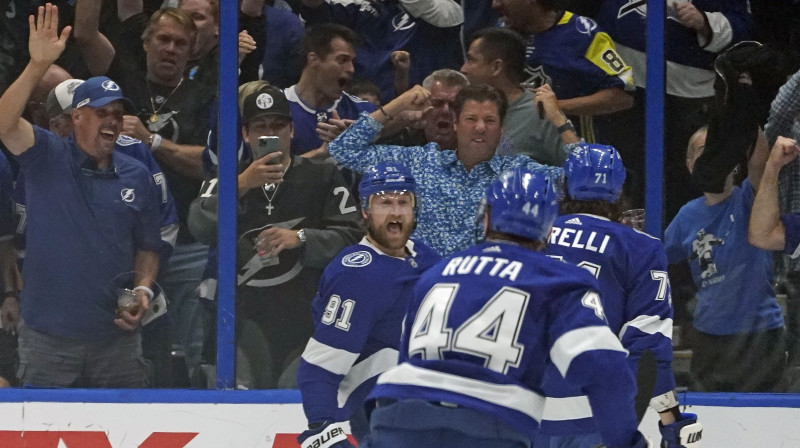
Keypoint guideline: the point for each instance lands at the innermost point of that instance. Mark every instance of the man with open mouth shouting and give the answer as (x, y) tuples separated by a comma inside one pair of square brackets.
[(92, 216), (359, 308), (451, 183)]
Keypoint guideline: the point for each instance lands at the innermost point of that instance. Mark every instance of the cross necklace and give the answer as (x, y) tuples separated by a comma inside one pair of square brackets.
[(154, 117), (274, 189)]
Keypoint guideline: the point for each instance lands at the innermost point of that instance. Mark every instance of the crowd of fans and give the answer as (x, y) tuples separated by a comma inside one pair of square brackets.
[(327, 91)]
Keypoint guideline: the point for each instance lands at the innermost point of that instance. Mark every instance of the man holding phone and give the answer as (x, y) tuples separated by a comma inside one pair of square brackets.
[(295, 216)]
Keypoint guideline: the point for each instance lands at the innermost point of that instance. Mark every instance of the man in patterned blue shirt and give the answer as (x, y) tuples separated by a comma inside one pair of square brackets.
[(451, 183)]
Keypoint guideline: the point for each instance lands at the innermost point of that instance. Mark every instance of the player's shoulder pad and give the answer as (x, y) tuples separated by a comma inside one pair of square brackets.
[(124, 140)]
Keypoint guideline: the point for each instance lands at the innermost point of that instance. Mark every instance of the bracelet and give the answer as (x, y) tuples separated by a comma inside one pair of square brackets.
[(9, 294), (154, 142), (389, 117), (145, 289), (568, 126)]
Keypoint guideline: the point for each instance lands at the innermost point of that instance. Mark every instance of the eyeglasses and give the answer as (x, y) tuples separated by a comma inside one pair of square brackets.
[(439, 103)]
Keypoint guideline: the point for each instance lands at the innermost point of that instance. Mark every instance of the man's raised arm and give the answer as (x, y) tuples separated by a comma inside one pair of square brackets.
[(45, 46), (766, 229), (98, 52)]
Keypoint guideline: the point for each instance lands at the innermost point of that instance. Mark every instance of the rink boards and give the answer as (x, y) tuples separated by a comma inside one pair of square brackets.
[(271, 419)]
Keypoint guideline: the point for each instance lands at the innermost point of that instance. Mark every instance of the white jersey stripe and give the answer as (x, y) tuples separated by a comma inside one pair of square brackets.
[(575, 342), (649, 325), (332, 359), (796, 252), (506, 395), (374, 365), (292, 96), (567, 408)]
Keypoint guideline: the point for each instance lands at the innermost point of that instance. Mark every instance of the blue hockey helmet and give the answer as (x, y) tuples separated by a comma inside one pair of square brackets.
[(594, 172), (522, 203), (385, 177)]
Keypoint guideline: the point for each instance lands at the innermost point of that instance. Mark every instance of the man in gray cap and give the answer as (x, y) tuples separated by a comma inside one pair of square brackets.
[(59, 106), (295, 216)]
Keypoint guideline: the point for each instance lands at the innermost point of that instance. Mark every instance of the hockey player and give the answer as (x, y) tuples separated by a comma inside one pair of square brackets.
[(631, 269), (359, 309), (484, 322)]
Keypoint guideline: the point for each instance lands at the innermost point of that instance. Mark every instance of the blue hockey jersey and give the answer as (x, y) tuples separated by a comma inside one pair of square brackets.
[(383, 27), (626, 22), (484, 323), (689, 57), (576, 59), (305, 118), (358, 312), (631, 269)]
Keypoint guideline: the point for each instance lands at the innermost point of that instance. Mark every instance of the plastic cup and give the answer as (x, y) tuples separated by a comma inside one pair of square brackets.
[(634, 218), (127, 301)]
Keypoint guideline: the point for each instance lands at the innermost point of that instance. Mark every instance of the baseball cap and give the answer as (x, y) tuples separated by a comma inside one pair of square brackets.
[(59, 100), (97, 92), (269, 101)]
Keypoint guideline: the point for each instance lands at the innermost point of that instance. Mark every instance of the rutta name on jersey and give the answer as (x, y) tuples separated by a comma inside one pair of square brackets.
[(483, 265), (578, 239)]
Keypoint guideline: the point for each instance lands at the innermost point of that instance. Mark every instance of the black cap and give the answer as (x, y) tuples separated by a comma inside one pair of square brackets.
[(269, 101)]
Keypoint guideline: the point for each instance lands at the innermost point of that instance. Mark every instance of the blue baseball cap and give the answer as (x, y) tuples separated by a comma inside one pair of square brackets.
[(97, 92)]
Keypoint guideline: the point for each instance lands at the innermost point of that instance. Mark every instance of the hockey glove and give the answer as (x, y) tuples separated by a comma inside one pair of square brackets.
[(325, 435), (685, 433)]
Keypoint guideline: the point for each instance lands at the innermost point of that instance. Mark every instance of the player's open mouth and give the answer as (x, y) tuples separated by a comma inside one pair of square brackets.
[(342, 82), (395, 227), (443, 125)]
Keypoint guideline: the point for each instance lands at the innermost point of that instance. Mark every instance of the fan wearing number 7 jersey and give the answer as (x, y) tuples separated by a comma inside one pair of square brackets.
[(483, 324), (359, 308), (631, 269)]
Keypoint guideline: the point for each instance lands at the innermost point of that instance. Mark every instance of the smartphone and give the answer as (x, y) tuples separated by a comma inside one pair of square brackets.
[(537, 82), (267, 145)]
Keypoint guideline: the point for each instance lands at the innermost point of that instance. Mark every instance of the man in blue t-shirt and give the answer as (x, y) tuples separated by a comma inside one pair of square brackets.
[(359, 307), (737, 334), (93, 219), (483, 324)]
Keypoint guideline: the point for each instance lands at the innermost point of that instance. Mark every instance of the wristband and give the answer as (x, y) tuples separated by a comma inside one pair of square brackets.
[(145, 289), (664, 402), (568, 126), (8, 294), (389, 117), (154, 142)]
